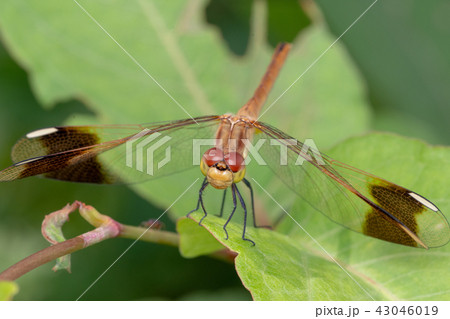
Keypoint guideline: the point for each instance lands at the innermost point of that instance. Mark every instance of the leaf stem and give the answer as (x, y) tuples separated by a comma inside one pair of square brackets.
[(83, 241), (106, 228), (42, 257), (150, 235)]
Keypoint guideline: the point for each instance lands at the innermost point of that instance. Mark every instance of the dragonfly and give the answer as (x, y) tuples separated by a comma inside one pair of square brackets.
[(348, 196)]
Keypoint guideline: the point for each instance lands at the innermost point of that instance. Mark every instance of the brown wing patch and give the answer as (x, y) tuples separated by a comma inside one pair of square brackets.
[(87, 171), (64, 154), (63, 139), (75, 166), (395, 200)]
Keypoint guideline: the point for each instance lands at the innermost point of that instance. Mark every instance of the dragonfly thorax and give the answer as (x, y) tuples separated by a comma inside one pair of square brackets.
[(222, 170)]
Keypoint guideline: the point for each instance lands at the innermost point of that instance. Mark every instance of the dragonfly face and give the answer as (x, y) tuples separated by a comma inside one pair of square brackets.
[(222, 170), (350, 197)]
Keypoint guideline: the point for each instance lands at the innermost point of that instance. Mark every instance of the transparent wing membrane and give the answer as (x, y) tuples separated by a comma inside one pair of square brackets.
[(353, 198), (99, 154), (135, 153)]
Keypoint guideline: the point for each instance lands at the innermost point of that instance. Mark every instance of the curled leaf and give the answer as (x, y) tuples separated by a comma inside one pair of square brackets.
[(52, 231), (106, 226)]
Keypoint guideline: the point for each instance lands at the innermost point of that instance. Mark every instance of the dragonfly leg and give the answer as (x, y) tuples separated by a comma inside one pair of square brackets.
[(247, 183), (204, 210), (200, 201), (223, 202), (245, 215), (233, 192)]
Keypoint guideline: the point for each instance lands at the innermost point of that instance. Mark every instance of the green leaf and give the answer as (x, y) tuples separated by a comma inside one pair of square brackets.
[(173, 43), (195, 240), (277, 268), (7, 290), (339, 264)]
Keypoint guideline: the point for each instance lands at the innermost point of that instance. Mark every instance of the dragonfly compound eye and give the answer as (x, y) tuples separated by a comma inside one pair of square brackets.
[(235, 161), (213, 156)]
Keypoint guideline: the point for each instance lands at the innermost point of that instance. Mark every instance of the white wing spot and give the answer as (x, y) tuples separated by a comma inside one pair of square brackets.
[(28, 160), (424, 201), (42, 132)]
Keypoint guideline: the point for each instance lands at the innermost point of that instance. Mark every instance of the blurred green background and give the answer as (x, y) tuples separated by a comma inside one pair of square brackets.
[(401, 51)]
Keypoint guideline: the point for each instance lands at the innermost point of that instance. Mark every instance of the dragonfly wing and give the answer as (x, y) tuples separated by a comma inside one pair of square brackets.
[(101, 154), (353, 198)]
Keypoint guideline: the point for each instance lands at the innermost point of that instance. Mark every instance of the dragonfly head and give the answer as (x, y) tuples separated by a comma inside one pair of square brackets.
[(222, 170), (219, 175)]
